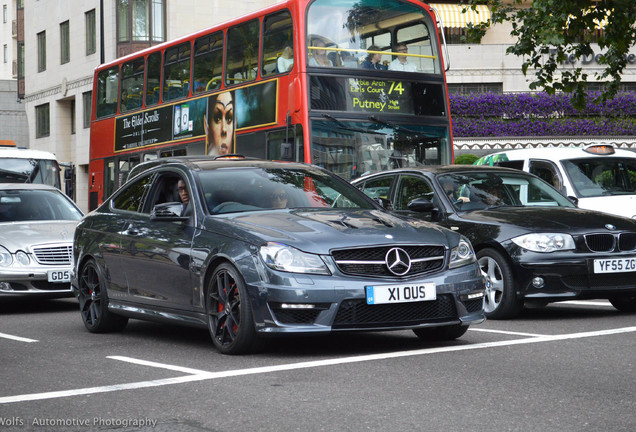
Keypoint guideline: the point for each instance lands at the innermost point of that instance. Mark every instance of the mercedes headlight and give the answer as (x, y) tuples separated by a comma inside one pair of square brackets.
[(23, 258), (5, 257), (545, 242), (288, 259), (462, 254)]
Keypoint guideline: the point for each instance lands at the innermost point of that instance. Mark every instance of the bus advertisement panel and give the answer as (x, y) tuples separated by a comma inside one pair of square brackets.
[(290, 82)]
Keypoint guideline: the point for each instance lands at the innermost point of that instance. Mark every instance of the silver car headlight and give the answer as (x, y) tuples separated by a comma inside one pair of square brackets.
[(23, 258), (288, 259), (5, 257), (545, 242), (462, 254)]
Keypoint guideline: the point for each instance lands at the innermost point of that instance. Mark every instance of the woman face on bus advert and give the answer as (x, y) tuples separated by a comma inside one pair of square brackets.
[(221, 124)]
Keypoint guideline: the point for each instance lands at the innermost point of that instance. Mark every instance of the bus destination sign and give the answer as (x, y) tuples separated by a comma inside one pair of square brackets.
[(381, 96)]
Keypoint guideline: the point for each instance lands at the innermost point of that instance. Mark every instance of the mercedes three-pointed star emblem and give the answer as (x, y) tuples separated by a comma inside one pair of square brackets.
[(398, 261)]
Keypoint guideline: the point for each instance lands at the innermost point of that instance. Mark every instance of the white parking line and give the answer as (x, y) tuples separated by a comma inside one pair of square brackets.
[(506, 332), (18, 338), (200, 375)]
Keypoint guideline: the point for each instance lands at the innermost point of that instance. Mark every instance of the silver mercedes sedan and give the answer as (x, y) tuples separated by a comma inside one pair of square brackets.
[(37, 223)]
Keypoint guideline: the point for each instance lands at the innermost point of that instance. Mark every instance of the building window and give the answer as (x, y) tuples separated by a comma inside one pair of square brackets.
[(91, 32), (73, 117), (41, 51), (6, 53), (42, 121), (87, 98), (65, 43), (467, 88), (4, 13), (140, 20), (624, 86), (20, 60)]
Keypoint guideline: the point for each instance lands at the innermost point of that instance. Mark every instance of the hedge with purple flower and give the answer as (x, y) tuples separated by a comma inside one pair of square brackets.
[(528, 114)]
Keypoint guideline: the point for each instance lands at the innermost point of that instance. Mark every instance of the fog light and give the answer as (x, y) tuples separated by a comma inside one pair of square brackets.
[(538, 282), (5, 286)]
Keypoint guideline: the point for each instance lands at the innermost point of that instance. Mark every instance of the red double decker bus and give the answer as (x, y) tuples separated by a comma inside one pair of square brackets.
[(354, 86)]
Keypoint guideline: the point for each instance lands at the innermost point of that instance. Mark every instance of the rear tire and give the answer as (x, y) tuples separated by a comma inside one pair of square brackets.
[(229, 312), (444, 333), (624, 304), (93, 301), (500, 298)]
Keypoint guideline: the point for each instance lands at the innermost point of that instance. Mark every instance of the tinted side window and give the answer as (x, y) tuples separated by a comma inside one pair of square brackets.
[(107, 87), (208, 62), (546, 171), (153, 79), (132, 85), (378, 187), (410, 188), (278, 46), (176, 72), (242, 53), (130, 198)]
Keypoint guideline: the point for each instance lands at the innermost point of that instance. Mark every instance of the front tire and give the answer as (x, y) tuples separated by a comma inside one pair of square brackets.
[(93, 301), (624, 304), (229, 313), (500, 299), (444, 333)]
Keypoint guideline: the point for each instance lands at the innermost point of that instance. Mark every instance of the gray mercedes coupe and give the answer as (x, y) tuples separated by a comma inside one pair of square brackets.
[(251, 248)]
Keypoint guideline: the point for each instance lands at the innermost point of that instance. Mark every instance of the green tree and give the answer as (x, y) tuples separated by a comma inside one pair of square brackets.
[(548, 32)]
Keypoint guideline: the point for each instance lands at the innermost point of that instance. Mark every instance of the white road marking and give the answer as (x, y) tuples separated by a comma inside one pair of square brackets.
[(18, 338), (200, 375), (504, 332)]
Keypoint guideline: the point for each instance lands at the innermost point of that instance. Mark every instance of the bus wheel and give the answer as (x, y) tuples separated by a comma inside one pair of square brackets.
[(500, 299), (229, 313), (93, 301)]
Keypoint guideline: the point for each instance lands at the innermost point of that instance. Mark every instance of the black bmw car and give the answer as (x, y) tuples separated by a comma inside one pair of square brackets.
[(532, 243), (254, 248)]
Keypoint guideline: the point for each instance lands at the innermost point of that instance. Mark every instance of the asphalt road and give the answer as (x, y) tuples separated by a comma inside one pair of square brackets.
[(565, 367)]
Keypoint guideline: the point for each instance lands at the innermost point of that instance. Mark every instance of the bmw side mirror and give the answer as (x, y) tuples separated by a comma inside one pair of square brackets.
[(574, 200), (421, 205)]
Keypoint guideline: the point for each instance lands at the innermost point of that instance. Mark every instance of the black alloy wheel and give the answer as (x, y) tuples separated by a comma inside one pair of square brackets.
[(230, 319), (93, 301)]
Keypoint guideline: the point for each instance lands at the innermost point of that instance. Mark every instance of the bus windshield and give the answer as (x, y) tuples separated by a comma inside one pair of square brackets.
[(354, 148), (29, 170), (373, 34)]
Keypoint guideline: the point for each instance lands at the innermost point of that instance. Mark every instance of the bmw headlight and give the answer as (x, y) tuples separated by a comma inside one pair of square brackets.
[(5, 257), (462, 254), (545, 242), (286, 258)]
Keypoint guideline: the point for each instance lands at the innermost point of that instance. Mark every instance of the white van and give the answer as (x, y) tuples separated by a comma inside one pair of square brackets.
[(28, 166), (598, 176)]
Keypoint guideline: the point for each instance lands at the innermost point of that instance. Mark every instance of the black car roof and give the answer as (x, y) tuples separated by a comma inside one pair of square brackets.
[(202, 162), (444, 169)]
